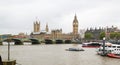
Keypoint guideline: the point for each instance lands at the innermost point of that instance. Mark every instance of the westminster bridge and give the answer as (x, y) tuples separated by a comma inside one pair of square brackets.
[(38, 41)]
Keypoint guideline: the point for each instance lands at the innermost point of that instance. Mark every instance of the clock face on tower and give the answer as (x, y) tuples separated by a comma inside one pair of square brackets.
[(75, 23)]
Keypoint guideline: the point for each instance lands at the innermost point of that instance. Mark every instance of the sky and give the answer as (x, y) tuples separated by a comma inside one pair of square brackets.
[(18, 16)]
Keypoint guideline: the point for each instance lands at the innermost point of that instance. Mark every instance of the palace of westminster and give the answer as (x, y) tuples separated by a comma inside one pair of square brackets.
[(54, 34), (58, 34)]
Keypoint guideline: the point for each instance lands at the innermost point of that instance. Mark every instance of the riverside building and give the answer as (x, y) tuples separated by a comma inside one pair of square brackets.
[(55, 33)]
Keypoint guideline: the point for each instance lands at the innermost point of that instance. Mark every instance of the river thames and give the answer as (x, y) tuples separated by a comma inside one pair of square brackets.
[(55, 54)]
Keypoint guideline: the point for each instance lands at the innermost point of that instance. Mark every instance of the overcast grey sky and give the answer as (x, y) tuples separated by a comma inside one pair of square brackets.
[(18, 15)]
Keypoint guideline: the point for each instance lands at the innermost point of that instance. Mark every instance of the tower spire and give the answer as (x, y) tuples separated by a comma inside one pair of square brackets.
[(75, 16), (75, 19), (47, 29)]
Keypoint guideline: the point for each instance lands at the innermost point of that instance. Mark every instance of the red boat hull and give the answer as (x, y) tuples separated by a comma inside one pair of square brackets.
[(113, 55)]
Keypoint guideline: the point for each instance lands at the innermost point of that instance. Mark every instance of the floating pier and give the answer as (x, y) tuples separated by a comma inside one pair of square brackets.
[(10, 62), (0, 43)]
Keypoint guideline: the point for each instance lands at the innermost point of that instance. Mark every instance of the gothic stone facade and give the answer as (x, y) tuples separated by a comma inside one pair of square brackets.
[(55, 34)]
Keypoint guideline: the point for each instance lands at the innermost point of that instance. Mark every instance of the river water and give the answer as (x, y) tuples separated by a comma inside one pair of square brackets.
[(55, 54)]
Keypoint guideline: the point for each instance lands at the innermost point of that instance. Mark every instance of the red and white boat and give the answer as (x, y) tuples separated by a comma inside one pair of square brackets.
[(91, 45), (106, 50), (111, 50), (114, 51)]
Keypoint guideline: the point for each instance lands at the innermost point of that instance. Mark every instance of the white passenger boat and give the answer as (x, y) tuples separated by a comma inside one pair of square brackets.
[(110, 50)]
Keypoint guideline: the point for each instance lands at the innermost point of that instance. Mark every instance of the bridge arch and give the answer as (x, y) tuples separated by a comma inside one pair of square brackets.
[(35, 41), (68, 41), (17, 41), (48, 41), (58, 41)]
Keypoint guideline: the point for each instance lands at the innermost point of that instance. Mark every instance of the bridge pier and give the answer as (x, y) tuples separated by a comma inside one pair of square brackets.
[(10, 62)]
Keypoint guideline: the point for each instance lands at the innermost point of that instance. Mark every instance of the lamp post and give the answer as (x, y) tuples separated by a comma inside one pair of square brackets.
[(8, 40), (9, 61), (104, 46)]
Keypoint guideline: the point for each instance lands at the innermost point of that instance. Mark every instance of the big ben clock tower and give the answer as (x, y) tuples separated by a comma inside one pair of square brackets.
[(75, 26)]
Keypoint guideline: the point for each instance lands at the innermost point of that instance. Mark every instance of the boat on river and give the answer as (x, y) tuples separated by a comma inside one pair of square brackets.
[(110, 50), (114, 51), (74, 49), (91, 45), (106, 50)]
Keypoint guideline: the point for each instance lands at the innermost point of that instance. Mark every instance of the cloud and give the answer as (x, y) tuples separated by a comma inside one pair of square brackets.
[(104, 15), (19, 15)]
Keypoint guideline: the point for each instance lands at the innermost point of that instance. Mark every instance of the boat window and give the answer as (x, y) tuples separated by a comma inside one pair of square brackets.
[(114, 46), (109, 46), (102, 46), (118, 46)]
